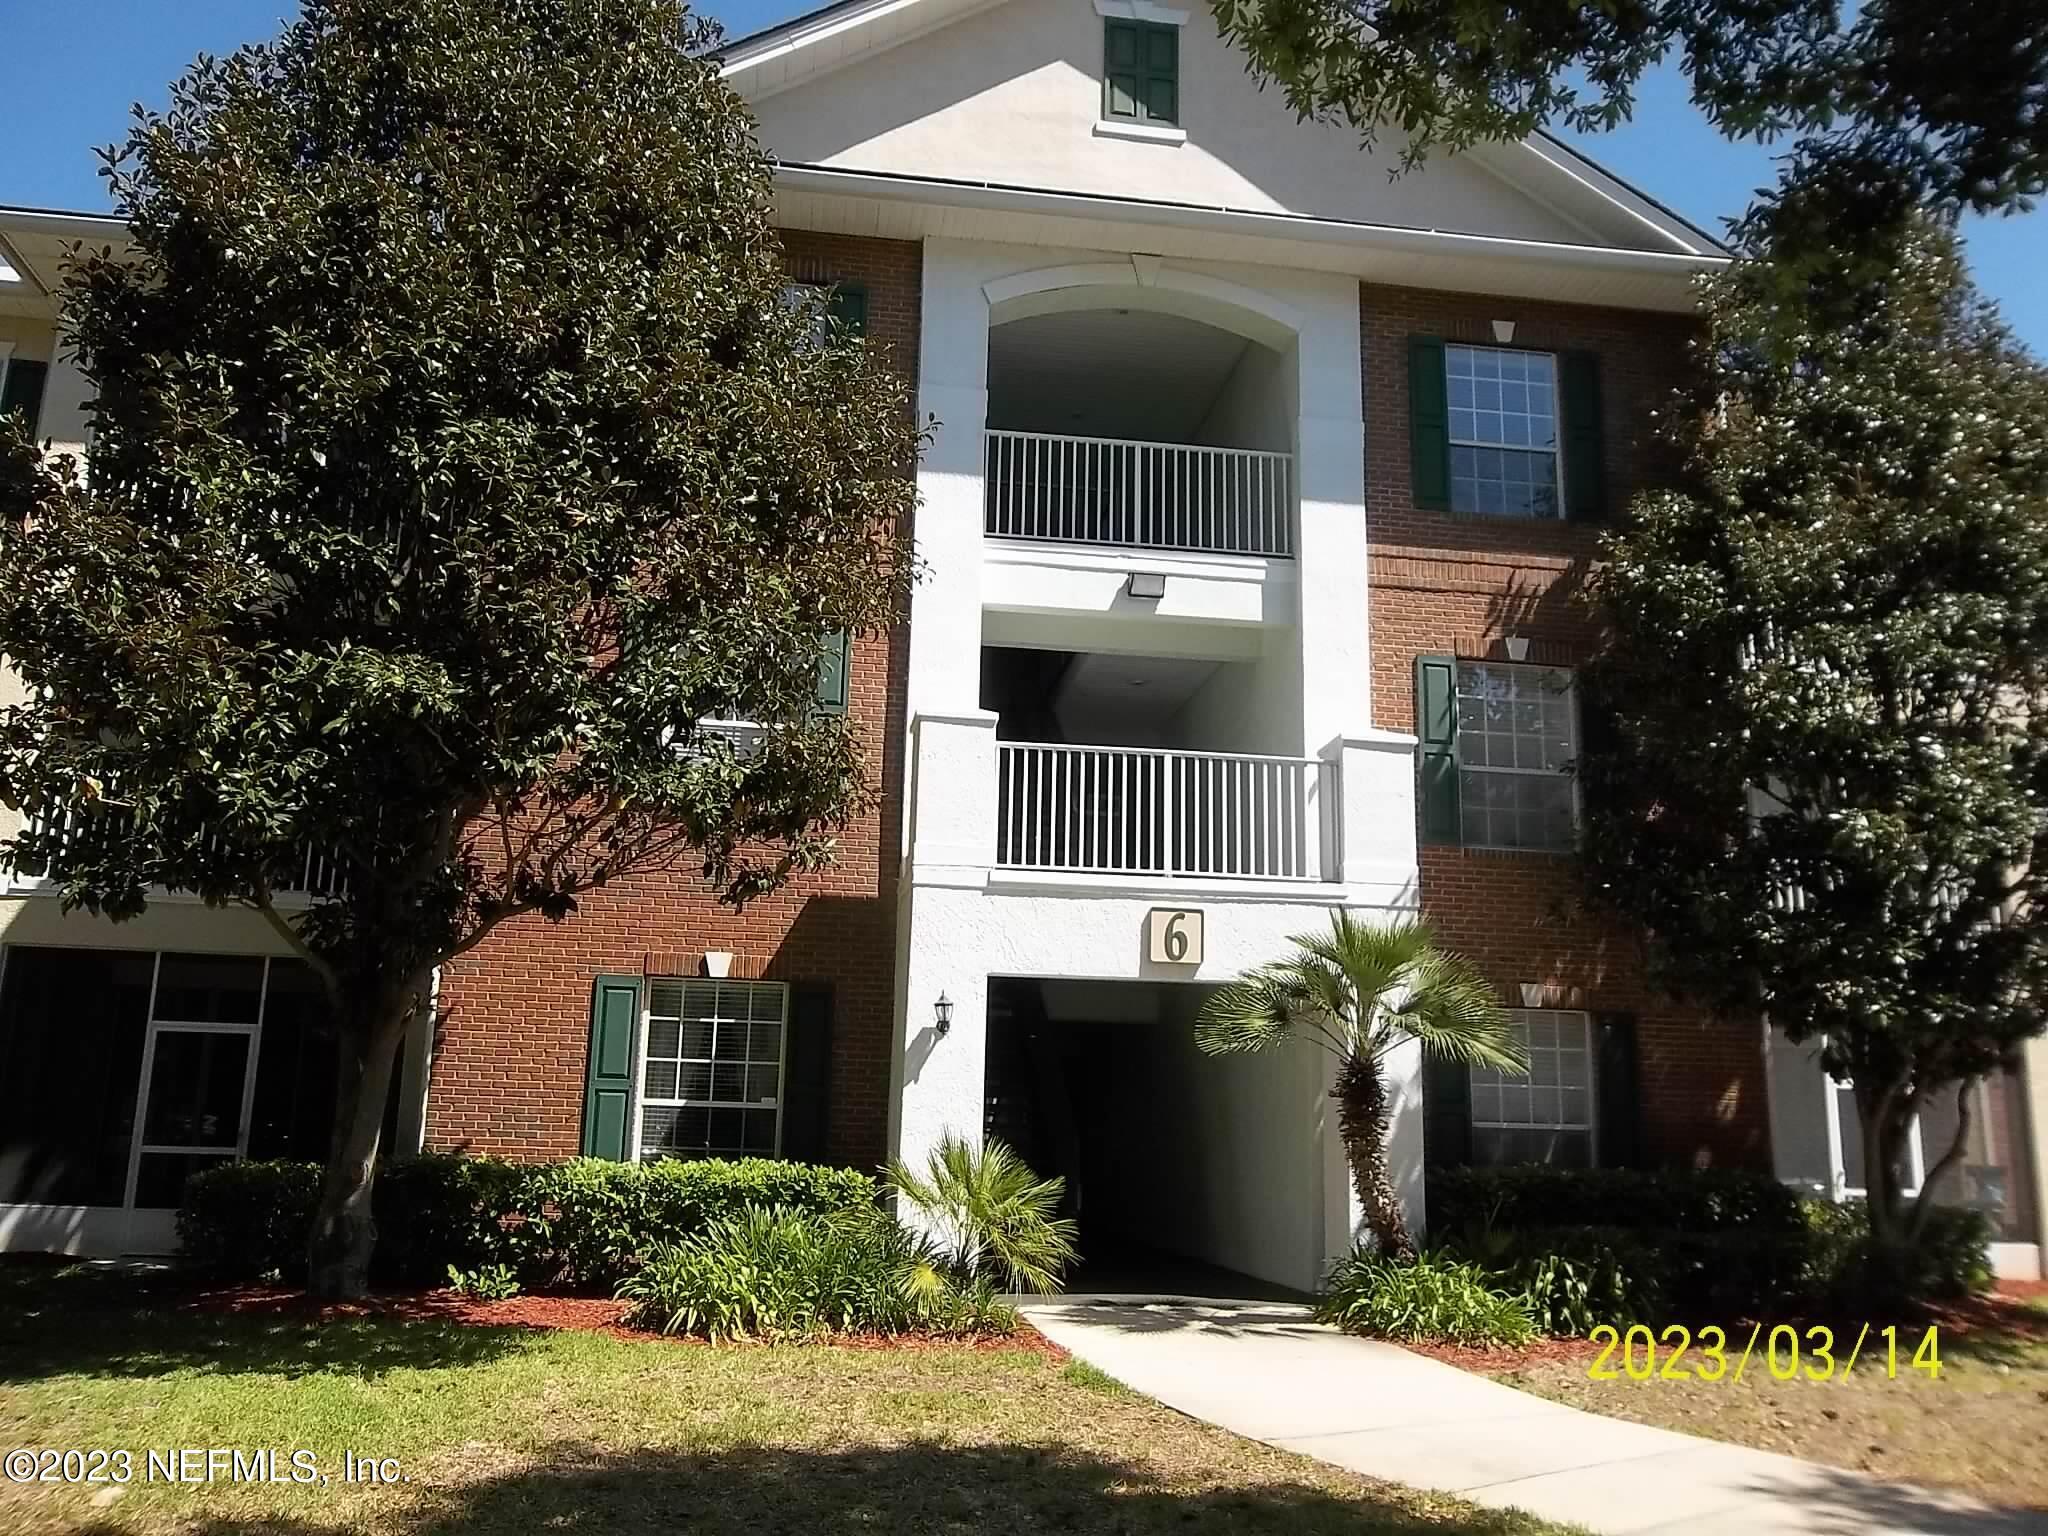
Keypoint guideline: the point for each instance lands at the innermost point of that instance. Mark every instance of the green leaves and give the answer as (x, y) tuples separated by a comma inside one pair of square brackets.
[(1825, 785), (1360, 990), (990, 1214), (456, 458), (1887, 113)]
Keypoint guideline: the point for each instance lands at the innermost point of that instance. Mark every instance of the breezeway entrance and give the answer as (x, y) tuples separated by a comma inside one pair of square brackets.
[(1188, 1174)]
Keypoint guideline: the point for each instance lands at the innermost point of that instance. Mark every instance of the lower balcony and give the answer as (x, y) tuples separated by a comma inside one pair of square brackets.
[(1164, 814)]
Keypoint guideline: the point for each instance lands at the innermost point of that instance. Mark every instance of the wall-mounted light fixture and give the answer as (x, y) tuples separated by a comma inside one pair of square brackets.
[(942, 1014), (1517, 647), (718, 962), (1150, 585)]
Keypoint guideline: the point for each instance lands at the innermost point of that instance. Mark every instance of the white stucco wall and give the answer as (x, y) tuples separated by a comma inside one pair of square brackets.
[(1252, 706), (1255, 407), (1013, 95), (1219, 1159), (1304, 692)]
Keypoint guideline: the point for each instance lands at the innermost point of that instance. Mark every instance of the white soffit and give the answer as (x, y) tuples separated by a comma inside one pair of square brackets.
[(835, 201)]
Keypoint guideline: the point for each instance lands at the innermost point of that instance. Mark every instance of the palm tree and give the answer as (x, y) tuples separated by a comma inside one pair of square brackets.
[(989, 1213), (1359, 991)]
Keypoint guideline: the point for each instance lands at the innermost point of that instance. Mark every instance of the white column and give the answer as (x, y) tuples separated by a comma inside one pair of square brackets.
[(1376, 788), (64, 424), (938, 1081), (945, 612), (1336, 669)]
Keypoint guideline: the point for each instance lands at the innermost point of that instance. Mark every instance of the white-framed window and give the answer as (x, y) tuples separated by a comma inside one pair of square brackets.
[(711, 1063), (1504, 444), (1517, 735), (1546, 1117)]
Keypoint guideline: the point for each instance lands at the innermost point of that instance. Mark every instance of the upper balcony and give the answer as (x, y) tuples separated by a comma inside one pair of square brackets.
[(1183, 497), (1126, 444)]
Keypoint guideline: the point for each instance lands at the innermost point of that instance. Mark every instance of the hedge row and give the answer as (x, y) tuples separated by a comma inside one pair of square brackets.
[(1712, 1246), (1676, 1200), (580, 1225)]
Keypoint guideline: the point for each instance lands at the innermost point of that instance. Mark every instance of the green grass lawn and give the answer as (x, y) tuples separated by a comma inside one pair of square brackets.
[(521, 1431)]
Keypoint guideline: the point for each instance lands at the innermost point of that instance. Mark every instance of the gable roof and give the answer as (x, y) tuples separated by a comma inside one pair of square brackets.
[(914, 135)]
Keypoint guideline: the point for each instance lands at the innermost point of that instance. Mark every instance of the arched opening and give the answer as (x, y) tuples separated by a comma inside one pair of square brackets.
[(1138, 426)]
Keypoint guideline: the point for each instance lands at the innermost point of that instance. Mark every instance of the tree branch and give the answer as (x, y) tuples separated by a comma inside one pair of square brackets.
[(1923, 1206)]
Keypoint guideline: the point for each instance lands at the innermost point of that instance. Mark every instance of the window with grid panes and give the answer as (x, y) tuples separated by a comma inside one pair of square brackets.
[(1517, 736), (1546, 1117), (711, 1073), (1503, 431)]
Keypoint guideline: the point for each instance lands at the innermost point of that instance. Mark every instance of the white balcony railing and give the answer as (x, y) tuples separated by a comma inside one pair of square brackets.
[(1131, 811), (313, 871), (1101, 490)]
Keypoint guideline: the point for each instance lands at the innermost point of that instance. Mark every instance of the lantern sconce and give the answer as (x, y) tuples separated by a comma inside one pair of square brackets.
[(942, 1015)]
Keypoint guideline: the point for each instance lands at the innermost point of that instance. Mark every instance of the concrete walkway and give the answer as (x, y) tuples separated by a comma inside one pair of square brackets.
[(1264, 1370)]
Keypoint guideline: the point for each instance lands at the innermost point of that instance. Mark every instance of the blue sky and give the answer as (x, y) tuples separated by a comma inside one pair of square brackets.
[(124, 51)]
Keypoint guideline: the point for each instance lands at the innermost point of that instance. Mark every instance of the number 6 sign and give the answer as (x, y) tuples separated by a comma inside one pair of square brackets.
[(1173, 936)]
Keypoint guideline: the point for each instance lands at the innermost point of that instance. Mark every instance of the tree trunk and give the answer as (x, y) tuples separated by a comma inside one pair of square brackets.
[(1884, 1117), (338, 1253), (1362, 1121)]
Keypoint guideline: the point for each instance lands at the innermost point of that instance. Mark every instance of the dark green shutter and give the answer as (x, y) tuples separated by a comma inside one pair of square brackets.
[(834, 667), (1141, 71), (807, 1073), (1617, 1094), (23, 391), (1446, 1113), (1585, 454), (1429, 424), (608, 1080), (848, 306), (1436, 725)]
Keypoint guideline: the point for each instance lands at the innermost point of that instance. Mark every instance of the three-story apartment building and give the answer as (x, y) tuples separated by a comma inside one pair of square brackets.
[(1260, 490)]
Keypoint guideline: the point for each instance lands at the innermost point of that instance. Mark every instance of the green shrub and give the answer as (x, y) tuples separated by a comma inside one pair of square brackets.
[(989, 1213), (779, 1272), (592, 1221), (1695, 1264), (582, 1224), (1663, 1200), (1951, 1261), (1433, 1299), (435, 1211), (249, 1221), (494, 1282)]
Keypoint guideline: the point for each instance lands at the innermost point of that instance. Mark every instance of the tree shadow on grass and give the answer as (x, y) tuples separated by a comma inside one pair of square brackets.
[(905, 1490), (110, 1322)]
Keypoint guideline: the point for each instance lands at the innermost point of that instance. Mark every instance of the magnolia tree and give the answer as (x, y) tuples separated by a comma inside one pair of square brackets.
[(458, 454), (1824, 785), (1887, 111)]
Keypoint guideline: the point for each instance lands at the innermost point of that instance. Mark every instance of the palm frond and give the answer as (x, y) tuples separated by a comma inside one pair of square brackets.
[(985, 1207), (1456, 1015), (1247, 1015)]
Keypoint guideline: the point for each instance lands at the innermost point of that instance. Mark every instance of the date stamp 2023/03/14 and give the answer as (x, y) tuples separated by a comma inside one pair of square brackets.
[(1789, 1353)]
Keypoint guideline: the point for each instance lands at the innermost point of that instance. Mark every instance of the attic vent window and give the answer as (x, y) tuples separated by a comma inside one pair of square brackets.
[(1140, 73)]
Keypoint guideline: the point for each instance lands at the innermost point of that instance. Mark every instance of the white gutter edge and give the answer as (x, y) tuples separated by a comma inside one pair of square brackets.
[(1276, 226), (75, 226)]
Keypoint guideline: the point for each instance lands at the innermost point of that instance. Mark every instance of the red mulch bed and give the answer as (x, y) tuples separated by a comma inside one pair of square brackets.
[(594, 1314)]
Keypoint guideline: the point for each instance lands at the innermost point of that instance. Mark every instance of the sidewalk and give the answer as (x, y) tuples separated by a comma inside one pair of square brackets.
[(1264, 1370)]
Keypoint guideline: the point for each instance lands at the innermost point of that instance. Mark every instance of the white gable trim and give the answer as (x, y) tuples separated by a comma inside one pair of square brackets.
[(1553, 175), (1141, 10)]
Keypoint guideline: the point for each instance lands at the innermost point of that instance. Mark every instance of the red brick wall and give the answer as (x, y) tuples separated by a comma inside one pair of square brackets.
[(509, 1066), (1442, 583)]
